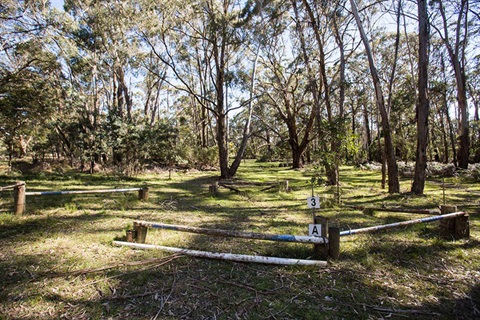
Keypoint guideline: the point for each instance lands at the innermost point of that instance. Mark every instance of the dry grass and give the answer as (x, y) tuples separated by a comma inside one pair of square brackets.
[(57, 261)]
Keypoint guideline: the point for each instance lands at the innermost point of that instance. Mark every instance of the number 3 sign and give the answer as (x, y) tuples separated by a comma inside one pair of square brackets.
[(313, 202)]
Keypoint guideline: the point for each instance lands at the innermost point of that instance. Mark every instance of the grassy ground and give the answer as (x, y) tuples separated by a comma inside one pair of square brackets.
[(57, 261)]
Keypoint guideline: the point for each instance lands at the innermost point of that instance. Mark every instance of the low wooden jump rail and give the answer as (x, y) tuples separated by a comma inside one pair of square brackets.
[(20, 194), (49, 193), (398, 210), (231, 233), (454, 224), (402, 223), (141, 228)]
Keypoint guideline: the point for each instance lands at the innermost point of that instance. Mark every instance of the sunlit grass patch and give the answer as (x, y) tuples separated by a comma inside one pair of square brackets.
[(410, 268)]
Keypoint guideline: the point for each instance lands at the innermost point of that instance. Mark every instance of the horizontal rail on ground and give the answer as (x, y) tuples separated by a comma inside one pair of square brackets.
[(236, 234), (225, 256), (399, 210), (44, 193), (401, 224)]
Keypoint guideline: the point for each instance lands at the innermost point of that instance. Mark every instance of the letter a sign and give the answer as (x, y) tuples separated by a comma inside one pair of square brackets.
[(315, 230)]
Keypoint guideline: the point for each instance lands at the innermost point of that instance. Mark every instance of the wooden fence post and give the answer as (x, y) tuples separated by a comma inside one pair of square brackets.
[(457, 228), (130, 235), (19, 198), (447, 226), (143, 194), (462, 227), (334, 242), (140, 232), (321, 250), (213, 189)]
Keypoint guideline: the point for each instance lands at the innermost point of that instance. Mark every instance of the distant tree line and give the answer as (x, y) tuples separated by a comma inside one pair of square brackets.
[(129, 83)]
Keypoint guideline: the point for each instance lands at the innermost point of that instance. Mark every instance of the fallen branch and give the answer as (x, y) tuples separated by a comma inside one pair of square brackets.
[(269, 187), (229, 187), (406, 311)]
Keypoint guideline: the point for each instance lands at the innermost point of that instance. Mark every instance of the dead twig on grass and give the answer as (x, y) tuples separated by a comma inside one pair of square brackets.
[(387, 310), (164, 301), (163, 262), (404, 311), (86, 271), (247, 287)]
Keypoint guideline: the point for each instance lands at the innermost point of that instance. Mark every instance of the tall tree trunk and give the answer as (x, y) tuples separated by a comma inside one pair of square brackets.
[(447, 114), (368, 133), (219, 54), (331, 166), (221, 126), (246, 129), (456, 59), (393, 182), (423, 102), (445, 158)]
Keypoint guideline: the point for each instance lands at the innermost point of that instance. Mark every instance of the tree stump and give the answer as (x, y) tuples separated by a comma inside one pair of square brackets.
[(447, 226), (454, 229), (462, 227), (140, 232)]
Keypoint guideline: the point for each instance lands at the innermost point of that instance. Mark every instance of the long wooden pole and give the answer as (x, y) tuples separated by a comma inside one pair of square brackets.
[(400, 210), (235, 234), (401, 224), (225, 256), (44, 193)]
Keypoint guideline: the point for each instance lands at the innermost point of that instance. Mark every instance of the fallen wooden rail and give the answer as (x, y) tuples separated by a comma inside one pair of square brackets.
[(233, 233), (225, 256), (401, 224), (20, 194), (399, 210), (47, 193)]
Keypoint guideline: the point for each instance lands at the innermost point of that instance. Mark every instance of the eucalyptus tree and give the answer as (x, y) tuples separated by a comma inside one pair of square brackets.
[(328, 26), (286, 86), (474, 94), (202, 44), (423, 102), (442, 96), (451, 21), (101, 71), (29, 74), (393, 182)]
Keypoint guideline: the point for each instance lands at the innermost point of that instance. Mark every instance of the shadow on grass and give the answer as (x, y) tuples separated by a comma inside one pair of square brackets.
[(383, 282)]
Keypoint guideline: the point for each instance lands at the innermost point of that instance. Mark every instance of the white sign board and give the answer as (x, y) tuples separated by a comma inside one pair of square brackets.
[(315, 230), (313, 202)]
